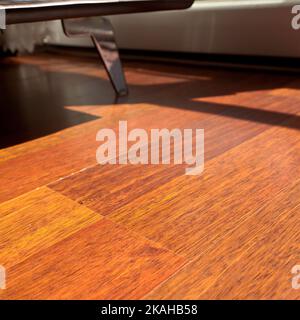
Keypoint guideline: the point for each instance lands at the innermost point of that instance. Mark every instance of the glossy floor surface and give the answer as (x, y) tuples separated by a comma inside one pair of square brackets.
[(72, 229)]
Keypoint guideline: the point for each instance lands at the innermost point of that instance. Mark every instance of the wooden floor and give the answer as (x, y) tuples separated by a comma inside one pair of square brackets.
[(72, 229)]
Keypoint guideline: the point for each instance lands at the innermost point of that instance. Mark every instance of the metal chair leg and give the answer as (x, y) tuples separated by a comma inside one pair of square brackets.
[(101, 32)]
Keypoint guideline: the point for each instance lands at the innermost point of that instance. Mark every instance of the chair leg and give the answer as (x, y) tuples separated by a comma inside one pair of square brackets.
[(101, 32)]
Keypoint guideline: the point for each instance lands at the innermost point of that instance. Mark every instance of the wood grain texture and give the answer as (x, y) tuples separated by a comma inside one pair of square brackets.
[(203, 208), (229, 233), (264, 271), (253, 261), (103, 261), (107, 188), (45, 163), (249, 256), (37, 220)]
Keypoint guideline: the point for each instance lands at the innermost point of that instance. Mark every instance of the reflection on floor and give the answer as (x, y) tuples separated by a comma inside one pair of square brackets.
[(72, 229)]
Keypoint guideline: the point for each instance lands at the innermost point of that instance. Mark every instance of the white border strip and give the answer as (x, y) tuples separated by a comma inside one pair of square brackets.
[(227, 4)]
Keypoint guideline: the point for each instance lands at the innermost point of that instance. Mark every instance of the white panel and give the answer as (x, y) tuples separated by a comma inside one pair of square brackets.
[(252, 27)]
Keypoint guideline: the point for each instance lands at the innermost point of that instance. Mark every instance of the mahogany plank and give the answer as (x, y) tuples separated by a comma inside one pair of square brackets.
[(107, 188), (108, 113), (264, 271), (189, 213), (253, 261), (249, 255), (46, 164), (229, 233), (102, 261), (36, 221), (156, 89)]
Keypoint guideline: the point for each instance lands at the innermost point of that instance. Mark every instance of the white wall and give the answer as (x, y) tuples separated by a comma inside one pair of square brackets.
[(260, 27)]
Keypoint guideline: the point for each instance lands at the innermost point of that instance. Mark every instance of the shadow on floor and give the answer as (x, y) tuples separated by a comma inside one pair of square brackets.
[(33, 101)]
